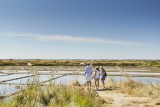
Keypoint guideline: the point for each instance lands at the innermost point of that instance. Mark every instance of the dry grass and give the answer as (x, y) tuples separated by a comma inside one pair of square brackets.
[(55, 96), (136, 88)]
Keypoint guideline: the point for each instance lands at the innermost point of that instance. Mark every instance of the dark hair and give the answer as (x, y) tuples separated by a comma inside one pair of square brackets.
[(88, 64), (97, 68), (103, 70)]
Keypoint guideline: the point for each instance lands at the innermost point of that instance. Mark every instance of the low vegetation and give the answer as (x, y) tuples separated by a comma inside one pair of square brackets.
[(55, 96), (136, 88), (37, 62), (74, 95)]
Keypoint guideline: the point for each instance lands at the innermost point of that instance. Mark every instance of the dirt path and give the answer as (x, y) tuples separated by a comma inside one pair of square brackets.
[(123, 100)]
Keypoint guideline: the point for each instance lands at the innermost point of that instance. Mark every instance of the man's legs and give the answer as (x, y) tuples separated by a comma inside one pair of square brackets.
[(89, 85)]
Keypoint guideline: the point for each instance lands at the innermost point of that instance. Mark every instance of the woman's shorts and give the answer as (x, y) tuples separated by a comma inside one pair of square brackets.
[(89, 78), (103, 77), (96, 78)]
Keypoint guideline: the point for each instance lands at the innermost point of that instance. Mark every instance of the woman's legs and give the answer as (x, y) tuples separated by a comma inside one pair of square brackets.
[(103, 83), (97, 83)]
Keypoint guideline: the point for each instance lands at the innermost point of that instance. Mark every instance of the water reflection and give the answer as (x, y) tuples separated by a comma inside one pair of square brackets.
[(81, 79)]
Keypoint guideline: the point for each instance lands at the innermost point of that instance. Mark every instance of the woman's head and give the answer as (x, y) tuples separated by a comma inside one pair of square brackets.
[(97, 68), (101, 68)]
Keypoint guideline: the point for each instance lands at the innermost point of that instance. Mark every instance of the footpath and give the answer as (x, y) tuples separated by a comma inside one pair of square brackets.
[(117, 99)]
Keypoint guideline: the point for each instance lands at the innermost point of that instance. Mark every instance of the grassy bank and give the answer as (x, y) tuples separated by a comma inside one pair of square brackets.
[(75, 96), (55, 96), (134, 88)]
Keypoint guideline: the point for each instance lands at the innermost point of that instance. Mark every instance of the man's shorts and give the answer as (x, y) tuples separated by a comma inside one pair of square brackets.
[(88, 78)]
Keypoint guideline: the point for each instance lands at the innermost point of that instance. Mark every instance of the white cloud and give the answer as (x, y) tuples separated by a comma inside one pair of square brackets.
[(68, 38)]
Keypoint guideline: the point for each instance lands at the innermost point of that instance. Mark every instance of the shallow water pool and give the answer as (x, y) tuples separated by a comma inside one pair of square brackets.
[(6, 89), (2, 78), (69, 78), (37, 78)]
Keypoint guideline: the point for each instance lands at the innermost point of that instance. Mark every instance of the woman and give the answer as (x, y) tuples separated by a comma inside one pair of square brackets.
[(103, 76), (97, 77)]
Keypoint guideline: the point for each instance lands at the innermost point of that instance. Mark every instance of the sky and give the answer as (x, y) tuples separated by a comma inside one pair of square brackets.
[(79, 29)]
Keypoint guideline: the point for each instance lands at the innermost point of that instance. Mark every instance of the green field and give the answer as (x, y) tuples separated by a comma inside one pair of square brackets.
[(143, 63)]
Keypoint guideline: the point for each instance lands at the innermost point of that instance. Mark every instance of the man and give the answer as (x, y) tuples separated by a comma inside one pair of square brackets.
[(88, 75)]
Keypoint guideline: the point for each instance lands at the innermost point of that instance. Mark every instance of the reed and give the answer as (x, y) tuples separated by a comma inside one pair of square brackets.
[(54, 96), (136, 88)]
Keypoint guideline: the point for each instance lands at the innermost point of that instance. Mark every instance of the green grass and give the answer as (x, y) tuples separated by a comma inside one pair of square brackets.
[(38, 62), (55, 96)]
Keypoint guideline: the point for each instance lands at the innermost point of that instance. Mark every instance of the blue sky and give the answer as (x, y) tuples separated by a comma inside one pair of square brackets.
[(79, 29)]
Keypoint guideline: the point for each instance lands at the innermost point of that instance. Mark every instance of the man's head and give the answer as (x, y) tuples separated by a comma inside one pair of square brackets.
[(88, 64)]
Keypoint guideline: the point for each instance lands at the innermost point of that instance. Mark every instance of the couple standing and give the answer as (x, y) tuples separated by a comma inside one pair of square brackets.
[(99, 73)]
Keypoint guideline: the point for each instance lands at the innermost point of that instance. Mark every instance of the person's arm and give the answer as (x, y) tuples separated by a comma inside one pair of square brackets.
[(94, 75), (92, 71)]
